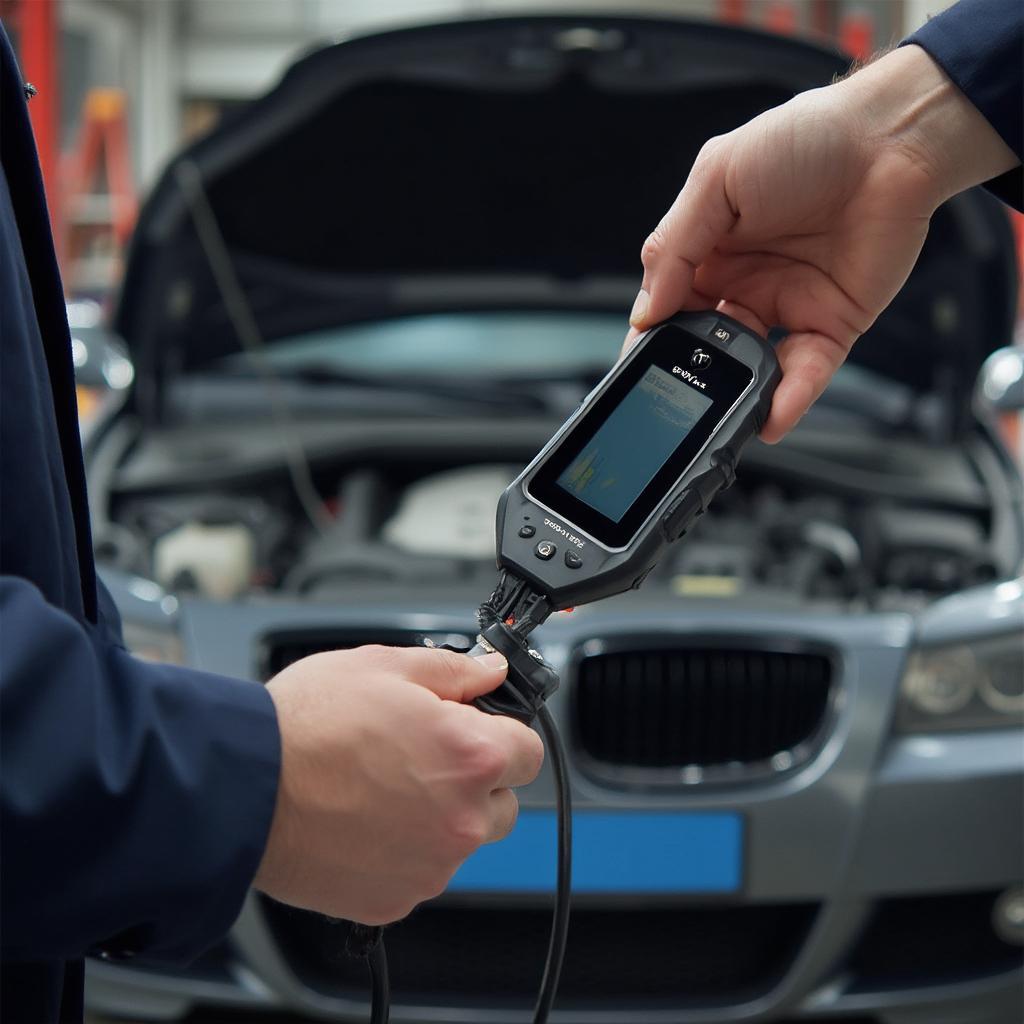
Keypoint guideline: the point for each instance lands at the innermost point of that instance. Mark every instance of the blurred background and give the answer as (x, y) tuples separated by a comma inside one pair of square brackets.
[(124, 83), (867, 566)]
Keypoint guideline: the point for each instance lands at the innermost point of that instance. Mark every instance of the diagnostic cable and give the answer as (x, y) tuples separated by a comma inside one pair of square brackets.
[(625, 476)]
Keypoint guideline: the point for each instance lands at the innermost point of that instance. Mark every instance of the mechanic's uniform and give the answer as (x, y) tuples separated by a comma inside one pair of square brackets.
[(136, 799)]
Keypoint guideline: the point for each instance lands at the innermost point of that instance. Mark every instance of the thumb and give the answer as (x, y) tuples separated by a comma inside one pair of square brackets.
[(450, 675), (685, 237)]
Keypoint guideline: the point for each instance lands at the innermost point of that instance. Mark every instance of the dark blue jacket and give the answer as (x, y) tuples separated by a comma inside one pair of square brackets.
[(135, 799), (980, 45)]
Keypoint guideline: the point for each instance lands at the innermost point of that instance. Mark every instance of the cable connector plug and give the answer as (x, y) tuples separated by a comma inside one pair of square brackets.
[(362, 940), (530, 680)]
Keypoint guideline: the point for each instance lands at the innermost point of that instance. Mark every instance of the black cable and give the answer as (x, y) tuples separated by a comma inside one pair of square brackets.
[(380, 1007), (528, 685), (243, 320), (513, 600), (528, 610), (563, 887), (366, 942)]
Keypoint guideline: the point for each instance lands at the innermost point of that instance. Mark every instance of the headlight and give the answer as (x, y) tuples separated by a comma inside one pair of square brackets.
[(151, 643), (977, 685)]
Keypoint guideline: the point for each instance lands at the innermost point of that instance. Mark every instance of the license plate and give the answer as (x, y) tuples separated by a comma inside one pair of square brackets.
[(614, 852)]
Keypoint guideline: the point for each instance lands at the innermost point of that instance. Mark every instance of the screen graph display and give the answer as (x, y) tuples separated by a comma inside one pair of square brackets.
[(634, 442)]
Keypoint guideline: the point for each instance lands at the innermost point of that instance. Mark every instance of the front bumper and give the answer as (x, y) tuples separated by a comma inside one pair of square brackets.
[(868, 882)]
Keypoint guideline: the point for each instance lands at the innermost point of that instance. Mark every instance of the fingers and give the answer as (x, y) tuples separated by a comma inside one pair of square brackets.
[(451, 676), (497, 752), (808, 362), (503, 812), (745, 316), (524, 751), (700, 216)]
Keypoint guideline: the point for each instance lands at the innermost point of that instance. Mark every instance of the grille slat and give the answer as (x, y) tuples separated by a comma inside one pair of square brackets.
[(638, 957), (662, 708)]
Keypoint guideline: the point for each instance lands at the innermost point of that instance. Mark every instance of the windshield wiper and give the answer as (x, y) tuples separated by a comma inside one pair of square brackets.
[(514, 396)]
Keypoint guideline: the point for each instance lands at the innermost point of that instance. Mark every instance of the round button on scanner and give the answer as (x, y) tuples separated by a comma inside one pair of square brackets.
[(572, 560), (527, 531), (545, 550)]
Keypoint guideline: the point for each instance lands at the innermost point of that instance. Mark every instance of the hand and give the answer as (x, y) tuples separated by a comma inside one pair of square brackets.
[(812, 215), (389, 780)]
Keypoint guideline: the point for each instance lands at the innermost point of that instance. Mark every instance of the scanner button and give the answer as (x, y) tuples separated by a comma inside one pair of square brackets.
[(720, 332), (545, 550), (527, 531), (572, 560)]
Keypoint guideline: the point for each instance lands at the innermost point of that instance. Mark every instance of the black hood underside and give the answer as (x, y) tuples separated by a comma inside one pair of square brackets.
[(508, 163)]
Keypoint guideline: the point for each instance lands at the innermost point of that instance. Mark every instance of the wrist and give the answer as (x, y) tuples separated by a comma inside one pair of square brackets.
[(911, 107), (278, 854)]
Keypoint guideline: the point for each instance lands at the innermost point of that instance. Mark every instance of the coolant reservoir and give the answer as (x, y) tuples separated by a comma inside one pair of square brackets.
[(219, 559)]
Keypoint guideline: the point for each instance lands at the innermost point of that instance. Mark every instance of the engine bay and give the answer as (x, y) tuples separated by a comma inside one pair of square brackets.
[(783, 533)]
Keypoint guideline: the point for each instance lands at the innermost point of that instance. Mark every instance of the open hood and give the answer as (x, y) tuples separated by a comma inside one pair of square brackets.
[(507, 163)]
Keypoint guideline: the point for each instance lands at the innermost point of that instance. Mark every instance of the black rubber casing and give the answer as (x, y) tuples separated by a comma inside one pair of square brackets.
[(602, 572)]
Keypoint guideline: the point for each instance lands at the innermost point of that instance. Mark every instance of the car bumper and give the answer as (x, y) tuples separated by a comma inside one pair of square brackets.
[(868, 877)]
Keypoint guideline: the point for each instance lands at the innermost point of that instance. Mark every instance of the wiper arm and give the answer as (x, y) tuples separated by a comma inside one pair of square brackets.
[(513, 396)]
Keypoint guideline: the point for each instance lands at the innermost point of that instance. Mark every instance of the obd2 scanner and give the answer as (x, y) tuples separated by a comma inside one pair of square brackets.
[(626, 476)]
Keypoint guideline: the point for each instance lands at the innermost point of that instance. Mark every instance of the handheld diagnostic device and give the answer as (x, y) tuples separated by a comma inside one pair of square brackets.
[(625, 476), (639, 461)]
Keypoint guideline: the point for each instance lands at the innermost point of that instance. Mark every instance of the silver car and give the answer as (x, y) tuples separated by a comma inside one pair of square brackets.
[(355, 311)]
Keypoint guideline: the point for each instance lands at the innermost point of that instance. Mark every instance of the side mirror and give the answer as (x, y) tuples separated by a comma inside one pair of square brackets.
[(100, 356), (103, 370), (1001, 381)]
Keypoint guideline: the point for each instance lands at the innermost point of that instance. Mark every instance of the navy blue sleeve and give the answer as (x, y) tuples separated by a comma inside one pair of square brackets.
[(135, 799), (980, 45)]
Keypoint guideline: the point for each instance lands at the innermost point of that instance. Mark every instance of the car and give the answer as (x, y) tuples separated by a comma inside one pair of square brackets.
[(355, 311)]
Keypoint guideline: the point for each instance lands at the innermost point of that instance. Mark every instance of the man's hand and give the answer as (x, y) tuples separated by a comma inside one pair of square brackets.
[(389, 779), (812, 215)]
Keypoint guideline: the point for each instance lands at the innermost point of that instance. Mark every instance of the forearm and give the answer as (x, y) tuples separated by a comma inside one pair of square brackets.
[(135, 798), (908, 103)]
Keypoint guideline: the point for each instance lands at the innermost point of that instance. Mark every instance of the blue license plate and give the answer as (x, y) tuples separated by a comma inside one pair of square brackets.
[(614, 852)]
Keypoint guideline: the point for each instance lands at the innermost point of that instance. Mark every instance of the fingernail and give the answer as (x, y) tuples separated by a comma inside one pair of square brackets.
[(492, 660), (638, 316)]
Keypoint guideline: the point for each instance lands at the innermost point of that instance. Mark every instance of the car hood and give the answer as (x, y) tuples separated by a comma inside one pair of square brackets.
[(505, 163)]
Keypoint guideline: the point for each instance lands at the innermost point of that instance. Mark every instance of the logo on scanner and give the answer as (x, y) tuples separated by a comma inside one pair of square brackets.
[(700, 358), (690, 378)]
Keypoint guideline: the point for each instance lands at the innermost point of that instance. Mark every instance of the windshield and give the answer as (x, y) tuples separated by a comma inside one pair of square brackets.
[(488, 345), (457, 354)]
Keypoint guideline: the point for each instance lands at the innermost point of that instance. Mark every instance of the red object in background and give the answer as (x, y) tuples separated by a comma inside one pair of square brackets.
[(822, 18), (732, 12), (102, 154), (781, 18), (857, 35), (100, 203), (36, 23)]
